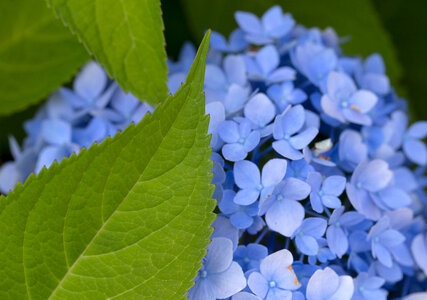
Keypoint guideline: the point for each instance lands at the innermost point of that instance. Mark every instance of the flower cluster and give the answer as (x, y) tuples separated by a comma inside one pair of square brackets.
[(319, 178)]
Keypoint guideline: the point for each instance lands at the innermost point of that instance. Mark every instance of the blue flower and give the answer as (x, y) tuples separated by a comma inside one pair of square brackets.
[(327, 285), (307, 234), (286, 94), (239, 138), (228, 85), (368, 177), (276, 280), (241, 216), (283, 204), (337, 232), (368, 287), (325, 192), (299, 169), (315, 61), (216, 113), (323, 255), (250, 256), (90, 93), (260, 111), (345, 103), (220, 277), (289, 138), (252, 184), (236, 41), (383, 239), (265, 67), (273, 25), (371, 76)]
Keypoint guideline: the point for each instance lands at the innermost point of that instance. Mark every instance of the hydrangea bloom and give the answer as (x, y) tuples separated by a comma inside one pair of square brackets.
[(294, 122)]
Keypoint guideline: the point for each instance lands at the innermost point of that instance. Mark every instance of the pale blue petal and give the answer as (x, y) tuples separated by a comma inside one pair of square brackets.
[(246, 174), (259, 110), (235, 69), (234, 152), (416, 151), (90, 82), (56, 132), (258, 284), (241, 220), (219, 256), (229, 131), (322, 285), (246, 197), (267, 59), (418, 130), (229, 282), (285, 149), (304, 138), (273, 172), (334, 185), (248, 22), (291, 211), (337, 240), (307, 244)]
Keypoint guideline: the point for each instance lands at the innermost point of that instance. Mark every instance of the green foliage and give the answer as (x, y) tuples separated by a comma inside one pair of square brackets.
[(357, 19), (126, 37), (37, 54), (407, 23), (128, 218)]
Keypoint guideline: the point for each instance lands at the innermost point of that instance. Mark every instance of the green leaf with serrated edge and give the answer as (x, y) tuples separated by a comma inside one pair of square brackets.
[(129, 218), (126, 37), (355, 19), (37, 54)]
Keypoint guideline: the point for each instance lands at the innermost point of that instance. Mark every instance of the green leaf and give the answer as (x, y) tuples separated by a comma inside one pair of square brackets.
[(356, 19), (126, 37), (129, 218), (37, 54)]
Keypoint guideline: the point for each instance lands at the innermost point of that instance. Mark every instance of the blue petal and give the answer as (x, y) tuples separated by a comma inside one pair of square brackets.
[(219, 256), (313, 226), (246, 197), (246, 174), (267, 59), (337, 240), (248, 22), (416, 151), (90, 82), (273, 172), (304, 138), (56, 132), (234, 152), (289, 210), (307, 244), (259, 110), (229, 282), (419, 251), (241, 220), (322, 285), (235, 69), (418, 130), (334, 185), (258, 284), (285, 149), (229, 131)]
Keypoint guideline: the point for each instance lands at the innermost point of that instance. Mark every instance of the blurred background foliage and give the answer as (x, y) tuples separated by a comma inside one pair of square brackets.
[(396, 29)]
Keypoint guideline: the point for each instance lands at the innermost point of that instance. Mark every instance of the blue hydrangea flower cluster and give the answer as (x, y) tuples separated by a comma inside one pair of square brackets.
[(319, 177)]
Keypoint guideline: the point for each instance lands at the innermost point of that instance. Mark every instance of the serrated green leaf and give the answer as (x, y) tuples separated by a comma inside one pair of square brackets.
[(37, 54), (129, 218), (126, 37), (356, 19)]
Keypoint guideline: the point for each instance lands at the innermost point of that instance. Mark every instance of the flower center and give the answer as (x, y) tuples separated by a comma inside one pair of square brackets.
[(279, 197), (241, 141), (203, 274), (272, 284), (259, 187)]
